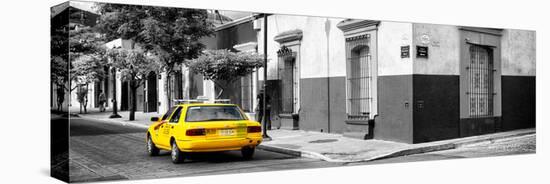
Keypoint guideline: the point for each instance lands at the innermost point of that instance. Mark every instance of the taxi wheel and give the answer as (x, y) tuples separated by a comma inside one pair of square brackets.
[(176, 154), (151, 148), (247, 152)]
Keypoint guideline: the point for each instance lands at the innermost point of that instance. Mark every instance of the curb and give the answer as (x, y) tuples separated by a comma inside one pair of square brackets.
[(112, 121), (300, 153), (405, 152)]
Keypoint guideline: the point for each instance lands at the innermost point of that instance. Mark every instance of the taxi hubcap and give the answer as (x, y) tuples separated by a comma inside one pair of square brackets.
[(149, 144), (174, 152)]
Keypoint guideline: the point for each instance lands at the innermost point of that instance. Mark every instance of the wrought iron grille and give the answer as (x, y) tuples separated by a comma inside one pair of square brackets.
[(287, 88), (480, 74), (359, 78)]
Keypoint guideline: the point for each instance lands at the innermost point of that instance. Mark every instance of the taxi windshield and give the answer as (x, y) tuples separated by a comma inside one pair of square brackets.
[(213, 113)]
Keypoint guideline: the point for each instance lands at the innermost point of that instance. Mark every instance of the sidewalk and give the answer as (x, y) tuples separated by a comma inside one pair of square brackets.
[(330, 147), (142, 120), (337, 148)]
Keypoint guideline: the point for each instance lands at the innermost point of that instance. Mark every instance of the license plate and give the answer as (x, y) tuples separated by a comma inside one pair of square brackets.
[(227, 132)]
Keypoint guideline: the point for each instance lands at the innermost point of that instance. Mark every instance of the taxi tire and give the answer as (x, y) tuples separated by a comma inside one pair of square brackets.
[(152, 150), (247, 152), (176, 155)]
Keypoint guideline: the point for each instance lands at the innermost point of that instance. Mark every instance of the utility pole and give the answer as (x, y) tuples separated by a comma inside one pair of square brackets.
[(264, 96), (113, 75)]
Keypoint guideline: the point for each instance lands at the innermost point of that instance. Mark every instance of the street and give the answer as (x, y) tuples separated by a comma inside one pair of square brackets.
[(103, 151)]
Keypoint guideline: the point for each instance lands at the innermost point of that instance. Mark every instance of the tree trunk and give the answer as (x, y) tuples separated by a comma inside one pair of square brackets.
[(86, 100), (133, 100)]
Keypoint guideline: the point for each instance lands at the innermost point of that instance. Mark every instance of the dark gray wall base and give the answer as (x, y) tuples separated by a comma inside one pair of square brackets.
[(479, 126), (436, 107), (314, 103), (289, 121), (518, 102), (357, 131), (337, 104), (395, 101)]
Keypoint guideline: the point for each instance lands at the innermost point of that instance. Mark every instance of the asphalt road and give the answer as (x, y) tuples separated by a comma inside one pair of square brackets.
[(104, 151)]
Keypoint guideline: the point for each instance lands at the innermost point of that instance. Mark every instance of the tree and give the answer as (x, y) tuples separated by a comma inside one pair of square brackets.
[(224, 66), (87, 69), (171, 34), (59, 68), (87, 61), (133, 65)]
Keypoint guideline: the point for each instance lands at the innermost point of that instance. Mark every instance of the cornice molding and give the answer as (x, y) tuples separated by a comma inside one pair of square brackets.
[(288, 36), (349, 25), (492, 31)]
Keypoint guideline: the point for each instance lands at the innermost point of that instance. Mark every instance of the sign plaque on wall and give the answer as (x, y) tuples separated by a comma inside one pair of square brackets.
[(405, 51), (421, 52)]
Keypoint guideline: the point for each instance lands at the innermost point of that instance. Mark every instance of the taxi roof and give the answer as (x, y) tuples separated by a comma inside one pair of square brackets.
[(204, 104)]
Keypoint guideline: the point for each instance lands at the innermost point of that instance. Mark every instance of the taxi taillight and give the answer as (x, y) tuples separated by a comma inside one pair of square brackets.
[(254, 129), (195, 132)]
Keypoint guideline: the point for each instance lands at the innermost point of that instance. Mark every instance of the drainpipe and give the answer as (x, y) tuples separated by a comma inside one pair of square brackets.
[(327, 31)]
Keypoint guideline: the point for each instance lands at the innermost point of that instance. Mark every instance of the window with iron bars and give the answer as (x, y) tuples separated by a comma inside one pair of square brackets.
[(287, 86), (359, 79), (287, 58), (480, 74)]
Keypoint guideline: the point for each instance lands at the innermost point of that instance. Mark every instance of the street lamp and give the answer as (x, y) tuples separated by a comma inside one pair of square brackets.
[(264, 96), (113, 76)]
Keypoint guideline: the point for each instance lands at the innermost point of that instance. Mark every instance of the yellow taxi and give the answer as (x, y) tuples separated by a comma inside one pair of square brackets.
[(203, 127)]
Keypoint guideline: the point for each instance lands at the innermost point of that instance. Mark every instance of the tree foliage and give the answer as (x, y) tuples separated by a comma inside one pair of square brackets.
[(86, 52), (224, 66), (59, 65), (172, 34), (88, 68), (132, 64)]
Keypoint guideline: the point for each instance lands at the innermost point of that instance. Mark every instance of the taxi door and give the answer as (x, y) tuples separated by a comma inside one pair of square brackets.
[(169, 127), (160, 133)]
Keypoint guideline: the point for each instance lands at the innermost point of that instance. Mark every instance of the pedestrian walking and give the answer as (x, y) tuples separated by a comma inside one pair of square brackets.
[(60, 98), (102, 101), (259, 109)]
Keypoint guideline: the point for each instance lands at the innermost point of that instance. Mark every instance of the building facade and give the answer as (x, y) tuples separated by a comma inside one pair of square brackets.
[(405, 82), (239, 35)]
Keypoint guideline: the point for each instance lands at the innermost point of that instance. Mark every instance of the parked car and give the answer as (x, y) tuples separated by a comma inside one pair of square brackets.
[(203, 127)]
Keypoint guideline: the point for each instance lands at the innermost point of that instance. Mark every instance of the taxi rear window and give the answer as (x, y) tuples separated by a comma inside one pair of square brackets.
[(213, 113)]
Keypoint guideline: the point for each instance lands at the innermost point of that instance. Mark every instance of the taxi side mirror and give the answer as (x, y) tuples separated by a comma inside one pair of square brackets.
[(154, 119)]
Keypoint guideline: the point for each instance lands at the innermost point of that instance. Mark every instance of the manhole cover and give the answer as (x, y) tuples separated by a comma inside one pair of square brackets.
[(323, 140)]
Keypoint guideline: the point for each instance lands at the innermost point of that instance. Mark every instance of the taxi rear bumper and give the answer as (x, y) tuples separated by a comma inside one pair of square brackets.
[(218, 144)]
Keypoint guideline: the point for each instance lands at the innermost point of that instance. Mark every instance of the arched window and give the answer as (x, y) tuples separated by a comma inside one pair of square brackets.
[(359, 98)]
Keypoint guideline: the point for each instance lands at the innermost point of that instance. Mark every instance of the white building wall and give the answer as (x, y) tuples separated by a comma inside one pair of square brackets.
[(518, 52), (162, 94), (391, 36), (443, 49), (313, 62)]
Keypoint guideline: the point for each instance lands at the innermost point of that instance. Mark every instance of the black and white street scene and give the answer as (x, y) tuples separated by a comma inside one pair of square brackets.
[(145, 92)]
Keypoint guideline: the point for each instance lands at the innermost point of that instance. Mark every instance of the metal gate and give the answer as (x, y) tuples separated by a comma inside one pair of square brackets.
[(480, 74)]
